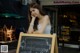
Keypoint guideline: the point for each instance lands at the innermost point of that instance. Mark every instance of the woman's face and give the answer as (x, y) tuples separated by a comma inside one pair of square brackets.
[(34, 12)]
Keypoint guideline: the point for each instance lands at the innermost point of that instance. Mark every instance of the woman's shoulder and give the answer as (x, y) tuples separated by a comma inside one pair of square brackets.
[(46, 17)]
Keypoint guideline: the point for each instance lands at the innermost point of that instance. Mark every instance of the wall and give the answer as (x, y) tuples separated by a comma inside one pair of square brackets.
[(59, 2)]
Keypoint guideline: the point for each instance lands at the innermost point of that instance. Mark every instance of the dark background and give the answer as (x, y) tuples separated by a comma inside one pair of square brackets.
[(14, 7)]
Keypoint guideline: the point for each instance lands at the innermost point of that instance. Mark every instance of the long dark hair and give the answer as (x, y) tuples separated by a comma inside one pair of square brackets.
[(37, 6)]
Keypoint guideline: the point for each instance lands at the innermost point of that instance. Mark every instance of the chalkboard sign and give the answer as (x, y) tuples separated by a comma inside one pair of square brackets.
[(36, 43)]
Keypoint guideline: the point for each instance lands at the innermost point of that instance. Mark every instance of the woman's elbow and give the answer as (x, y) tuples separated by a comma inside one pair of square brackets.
[(37, 32)]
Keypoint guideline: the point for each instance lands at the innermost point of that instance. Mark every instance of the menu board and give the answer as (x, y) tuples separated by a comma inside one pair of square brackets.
[(35, 43)]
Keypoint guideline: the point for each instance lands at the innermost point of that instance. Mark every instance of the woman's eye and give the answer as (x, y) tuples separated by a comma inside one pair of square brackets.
[(33, 10)]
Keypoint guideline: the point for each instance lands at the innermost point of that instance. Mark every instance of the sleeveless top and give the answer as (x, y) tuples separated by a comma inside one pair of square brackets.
[(46, 30)]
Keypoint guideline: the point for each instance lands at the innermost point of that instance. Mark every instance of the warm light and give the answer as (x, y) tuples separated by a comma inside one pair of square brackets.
[(8, 33), (65, 16)]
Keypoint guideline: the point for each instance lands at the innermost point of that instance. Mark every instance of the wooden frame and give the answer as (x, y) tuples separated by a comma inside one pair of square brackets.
[(54, 48)]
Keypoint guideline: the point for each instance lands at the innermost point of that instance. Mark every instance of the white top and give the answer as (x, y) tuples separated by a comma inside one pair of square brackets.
[(47, 29)]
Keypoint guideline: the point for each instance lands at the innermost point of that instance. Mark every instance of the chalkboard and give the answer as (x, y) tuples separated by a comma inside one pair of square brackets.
[(36, 43)]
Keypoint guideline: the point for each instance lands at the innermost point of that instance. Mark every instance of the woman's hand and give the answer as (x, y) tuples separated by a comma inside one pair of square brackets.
[(31, 30), (33, 19)]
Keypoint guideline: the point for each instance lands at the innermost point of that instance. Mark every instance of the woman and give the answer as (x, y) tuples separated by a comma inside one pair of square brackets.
[(43, 25)]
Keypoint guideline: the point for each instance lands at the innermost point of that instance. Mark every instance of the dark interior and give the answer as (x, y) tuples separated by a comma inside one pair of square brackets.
[(13, 13)]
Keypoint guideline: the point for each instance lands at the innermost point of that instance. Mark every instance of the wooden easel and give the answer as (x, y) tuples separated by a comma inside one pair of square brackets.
[(54, 46)]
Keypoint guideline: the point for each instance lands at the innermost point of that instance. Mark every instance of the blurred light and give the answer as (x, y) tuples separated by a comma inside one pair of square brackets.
[(65, 16)]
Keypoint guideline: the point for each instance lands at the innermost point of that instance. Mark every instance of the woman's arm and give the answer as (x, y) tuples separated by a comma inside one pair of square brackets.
[(30, 29), (43, 25)]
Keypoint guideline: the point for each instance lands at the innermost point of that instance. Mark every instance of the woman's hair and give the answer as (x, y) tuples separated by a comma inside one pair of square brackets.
[(37, 6)]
